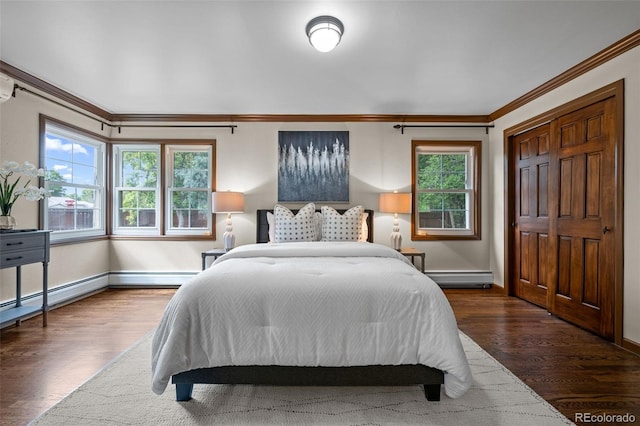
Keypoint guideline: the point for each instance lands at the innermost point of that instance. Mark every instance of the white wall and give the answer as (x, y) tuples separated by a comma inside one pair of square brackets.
[(380, 160), (246, 161), (627, 67)]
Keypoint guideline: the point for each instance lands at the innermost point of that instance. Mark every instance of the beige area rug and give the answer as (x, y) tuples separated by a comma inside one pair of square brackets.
[(121, 395)]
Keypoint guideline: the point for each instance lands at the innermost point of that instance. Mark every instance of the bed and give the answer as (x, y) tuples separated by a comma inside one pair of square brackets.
[(310, 313)]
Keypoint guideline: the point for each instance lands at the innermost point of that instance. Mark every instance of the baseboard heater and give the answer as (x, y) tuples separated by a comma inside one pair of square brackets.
[(462, 279)]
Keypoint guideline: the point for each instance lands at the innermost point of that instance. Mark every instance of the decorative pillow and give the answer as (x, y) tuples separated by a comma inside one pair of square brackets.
[(345, 227), (290, 227), (317, 221), (271, 225), (364, 234)]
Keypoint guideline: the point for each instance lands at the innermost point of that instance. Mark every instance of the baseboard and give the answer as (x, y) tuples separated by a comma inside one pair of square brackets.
[(631, 346), (462, 279), (65, 293), (140, 279)]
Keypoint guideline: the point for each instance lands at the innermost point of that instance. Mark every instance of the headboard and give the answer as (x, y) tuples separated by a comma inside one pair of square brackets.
[(262, 234)]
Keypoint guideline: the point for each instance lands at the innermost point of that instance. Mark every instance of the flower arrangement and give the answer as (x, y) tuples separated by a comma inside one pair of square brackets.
[(10, 192)]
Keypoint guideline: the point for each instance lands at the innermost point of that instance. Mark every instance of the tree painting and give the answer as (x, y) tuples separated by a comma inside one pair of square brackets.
[(313, 166)]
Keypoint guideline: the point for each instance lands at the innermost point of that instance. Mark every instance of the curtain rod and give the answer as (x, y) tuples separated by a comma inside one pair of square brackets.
[(120, 126), (404, 126)]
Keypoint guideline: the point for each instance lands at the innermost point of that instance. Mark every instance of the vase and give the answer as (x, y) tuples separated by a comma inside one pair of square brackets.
[(7, 222)]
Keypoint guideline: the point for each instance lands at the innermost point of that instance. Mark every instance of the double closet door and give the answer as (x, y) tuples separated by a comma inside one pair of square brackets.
[(564, 175)]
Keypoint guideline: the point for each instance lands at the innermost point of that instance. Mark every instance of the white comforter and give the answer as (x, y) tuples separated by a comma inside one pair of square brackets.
[(309, 304)]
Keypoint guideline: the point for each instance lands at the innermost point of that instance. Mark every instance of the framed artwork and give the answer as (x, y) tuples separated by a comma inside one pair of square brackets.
[(313, 166)]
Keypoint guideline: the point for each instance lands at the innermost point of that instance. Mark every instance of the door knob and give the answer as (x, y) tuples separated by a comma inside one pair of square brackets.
[(605, 230)]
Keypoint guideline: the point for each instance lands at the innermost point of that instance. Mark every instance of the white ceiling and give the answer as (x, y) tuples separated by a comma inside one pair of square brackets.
[(253, 57)]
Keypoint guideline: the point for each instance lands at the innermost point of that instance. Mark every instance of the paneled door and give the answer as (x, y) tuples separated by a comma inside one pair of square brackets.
[(531, 160), (565, 211), (582, 217)]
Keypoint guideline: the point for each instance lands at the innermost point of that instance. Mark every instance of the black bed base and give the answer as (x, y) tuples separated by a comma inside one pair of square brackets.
[(371, 375)]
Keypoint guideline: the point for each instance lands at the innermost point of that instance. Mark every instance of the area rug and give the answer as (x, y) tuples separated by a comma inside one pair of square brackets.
[(121, 394)]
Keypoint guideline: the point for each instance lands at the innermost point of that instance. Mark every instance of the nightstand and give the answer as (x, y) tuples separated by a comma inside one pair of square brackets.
[(412, 253), (216, 253)]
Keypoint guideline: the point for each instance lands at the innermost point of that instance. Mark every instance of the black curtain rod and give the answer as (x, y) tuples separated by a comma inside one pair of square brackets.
[(120, 126), (404, 126)]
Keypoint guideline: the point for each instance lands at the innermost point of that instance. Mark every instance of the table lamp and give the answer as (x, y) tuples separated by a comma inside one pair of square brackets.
[(395, 202), (228, 202)]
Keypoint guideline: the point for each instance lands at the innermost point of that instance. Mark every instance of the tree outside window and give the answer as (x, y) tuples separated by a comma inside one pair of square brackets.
[(445, 189)]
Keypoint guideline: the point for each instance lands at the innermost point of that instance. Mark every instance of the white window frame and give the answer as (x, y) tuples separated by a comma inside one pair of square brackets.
[(170, 189), (118, 187), (99, 219), (472, 152)]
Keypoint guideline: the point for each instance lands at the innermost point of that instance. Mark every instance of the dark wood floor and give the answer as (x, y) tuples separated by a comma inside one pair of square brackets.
[(574, 370)]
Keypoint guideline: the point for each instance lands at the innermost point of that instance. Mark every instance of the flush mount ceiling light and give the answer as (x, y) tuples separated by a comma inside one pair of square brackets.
[(324, 32)]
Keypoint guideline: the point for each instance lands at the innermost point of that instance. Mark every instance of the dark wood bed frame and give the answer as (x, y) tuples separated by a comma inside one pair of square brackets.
[(368, 375)]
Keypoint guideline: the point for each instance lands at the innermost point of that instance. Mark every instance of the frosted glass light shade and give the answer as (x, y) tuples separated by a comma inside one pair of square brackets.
[(324, 33)]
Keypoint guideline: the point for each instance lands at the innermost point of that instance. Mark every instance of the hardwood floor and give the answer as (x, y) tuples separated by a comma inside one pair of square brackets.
[(574, 370)]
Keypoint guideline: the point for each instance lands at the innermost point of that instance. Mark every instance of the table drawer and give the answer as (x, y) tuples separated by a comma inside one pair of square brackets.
[(21, 257), (20, 241)]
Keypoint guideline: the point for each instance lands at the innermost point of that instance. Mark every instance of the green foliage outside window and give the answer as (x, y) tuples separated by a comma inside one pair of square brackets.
[(190, 197), (140, 173), (441, 195)]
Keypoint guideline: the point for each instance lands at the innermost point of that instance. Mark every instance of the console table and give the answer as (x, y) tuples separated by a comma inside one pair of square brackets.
[(21, 247)]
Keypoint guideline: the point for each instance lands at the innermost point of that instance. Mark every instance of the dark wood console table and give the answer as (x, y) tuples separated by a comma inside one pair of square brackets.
[(20, 247)]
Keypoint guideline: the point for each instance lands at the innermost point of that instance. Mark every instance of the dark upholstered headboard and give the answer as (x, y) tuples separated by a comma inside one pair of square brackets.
[(262, 234)]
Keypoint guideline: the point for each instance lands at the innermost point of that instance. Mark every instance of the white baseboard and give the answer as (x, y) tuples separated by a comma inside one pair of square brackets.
[(462, 279), (80, 288), (122, 279)]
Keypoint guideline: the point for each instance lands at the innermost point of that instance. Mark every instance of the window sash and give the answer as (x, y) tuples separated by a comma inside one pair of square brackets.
[(197, 217), (62, 148), (445, 218), (143, 220)]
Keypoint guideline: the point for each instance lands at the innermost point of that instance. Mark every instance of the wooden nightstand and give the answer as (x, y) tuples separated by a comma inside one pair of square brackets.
[(216, 253), (412, 253)]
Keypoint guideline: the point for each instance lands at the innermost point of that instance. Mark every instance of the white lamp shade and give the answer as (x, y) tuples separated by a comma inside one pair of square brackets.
[(227, 202), (394, 202)]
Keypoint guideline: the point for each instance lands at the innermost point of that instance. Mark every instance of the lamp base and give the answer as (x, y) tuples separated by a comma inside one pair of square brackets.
[(396, 240), (229, 241)]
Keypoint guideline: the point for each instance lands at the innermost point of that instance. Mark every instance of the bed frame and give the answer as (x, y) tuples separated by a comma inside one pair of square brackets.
[(368, 375)]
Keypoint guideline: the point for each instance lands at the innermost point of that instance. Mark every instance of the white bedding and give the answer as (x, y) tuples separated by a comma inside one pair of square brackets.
[(309, 304)]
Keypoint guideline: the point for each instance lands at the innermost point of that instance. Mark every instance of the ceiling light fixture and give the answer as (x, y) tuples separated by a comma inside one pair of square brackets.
[(324, 32)]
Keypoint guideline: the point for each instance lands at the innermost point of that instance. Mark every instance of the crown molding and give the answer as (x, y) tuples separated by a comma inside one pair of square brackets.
[(624, 45), (618, 48), (54, 91)]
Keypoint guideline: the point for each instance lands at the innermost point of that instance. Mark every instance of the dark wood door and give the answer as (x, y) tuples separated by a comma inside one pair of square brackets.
[(531, 159), (582, 217)]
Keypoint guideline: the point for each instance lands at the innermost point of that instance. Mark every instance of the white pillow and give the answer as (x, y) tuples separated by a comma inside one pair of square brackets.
[(364, 234), (271, 226), (341, 227), (290, 227)]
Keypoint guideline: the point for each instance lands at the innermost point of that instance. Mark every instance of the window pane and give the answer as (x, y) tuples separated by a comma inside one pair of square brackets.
[(75, 176), (137, 209), (76, 209), (189, 209), (139, 169), (191, 169)]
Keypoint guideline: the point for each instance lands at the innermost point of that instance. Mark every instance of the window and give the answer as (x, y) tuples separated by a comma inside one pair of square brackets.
[(189, 189), (75, 167), (446, 184), (137, 189), (153, 181)]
